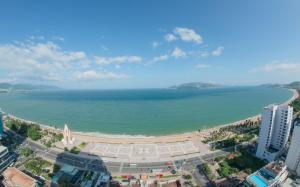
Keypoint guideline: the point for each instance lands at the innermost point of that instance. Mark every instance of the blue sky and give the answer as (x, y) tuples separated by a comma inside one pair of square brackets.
[(147, 44)]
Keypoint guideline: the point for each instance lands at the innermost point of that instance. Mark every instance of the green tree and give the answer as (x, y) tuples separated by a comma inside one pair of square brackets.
[(225, 170), (26, 151), (36, 165), (22, 130), (56, 168), (206, 169), (34, 133)]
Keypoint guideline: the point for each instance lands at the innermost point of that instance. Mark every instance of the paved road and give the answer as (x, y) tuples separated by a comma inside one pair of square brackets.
[(96, 164)]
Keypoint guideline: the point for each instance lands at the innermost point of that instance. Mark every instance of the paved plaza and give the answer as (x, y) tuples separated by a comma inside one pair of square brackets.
[(147, 152)]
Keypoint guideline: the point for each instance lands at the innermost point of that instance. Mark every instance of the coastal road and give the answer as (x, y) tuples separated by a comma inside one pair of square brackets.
[(96, 164)]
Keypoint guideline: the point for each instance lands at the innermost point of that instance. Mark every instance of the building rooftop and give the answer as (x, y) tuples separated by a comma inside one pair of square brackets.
[(66, 171), (275, 167), (2, 148), (267, 175), (15, 177)]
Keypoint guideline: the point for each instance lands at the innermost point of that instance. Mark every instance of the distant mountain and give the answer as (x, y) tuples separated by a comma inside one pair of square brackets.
[(7, 87), (195, 86), (293, 85), (272, 85)]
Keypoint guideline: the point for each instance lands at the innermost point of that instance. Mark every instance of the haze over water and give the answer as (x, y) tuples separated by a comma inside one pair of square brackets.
[(141, 112)]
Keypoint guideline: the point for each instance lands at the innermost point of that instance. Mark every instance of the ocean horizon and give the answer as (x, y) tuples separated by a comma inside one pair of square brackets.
[(141, 111)]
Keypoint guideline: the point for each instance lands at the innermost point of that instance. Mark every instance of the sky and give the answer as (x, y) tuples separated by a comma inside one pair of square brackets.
[(149, 44)]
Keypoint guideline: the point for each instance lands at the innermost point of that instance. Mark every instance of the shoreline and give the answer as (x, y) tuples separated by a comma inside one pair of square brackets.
[(91, 137)]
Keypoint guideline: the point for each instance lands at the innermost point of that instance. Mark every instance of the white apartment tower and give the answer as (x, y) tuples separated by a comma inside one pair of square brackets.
[(293, 158), (274, 131)]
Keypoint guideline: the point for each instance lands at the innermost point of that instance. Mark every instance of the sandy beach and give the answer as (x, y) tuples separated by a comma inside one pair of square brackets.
[(131, 139)]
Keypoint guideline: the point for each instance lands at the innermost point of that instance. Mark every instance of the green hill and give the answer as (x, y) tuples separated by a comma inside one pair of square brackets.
[(7, 87)]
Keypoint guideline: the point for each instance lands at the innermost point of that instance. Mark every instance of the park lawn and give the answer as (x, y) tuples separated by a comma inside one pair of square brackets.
[(26, 151), (232, 141), (82, 145), (77, 149), (242, 161), (37, 166), (246, 162)]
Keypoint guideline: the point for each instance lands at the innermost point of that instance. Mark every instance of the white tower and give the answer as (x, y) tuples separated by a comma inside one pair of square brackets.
[(274, 131), (68, 139)]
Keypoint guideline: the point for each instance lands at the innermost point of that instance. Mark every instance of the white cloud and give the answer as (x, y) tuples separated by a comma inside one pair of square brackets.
[(104, 48), (177, 53), (36, 37), (93, 75), (188, 35), (217, 52), (59, 38), (170, 37), (41, 61), (160, 58), (203, 66), (155, 44), (279, 66), (117, 60), (37, 61), (204, 54)]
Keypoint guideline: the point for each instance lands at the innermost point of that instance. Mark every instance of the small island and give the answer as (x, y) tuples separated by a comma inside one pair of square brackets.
[(195, 86)]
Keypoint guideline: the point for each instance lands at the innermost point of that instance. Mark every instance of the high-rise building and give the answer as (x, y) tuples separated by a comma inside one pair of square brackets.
[(274, 131), (293, 157), (6, 158), (1, 123)]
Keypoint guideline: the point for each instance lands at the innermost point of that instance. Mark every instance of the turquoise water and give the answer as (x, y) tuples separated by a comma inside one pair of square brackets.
[(258, 181), (147, 112)]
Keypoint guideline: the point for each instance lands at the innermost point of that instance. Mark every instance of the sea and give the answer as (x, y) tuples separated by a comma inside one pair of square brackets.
[(141, 111)]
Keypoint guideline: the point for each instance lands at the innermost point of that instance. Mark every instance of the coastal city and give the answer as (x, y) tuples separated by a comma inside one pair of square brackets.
[(262, 151), (160, 93)]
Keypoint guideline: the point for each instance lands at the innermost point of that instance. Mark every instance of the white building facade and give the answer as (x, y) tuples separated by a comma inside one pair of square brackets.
[(293, 158), (274, 131), (1, 124)]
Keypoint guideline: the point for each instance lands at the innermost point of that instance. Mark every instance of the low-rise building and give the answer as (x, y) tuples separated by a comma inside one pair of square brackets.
[(68, 175), (103, 180), (271, 175), (72, 176), (16, 178)]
